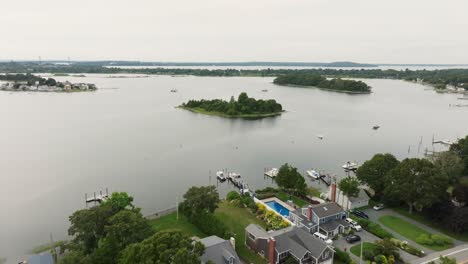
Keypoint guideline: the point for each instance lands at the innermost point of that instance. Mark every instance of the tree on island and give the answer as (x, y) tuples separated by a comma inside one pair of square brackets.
[(164, 247), (308, 79), (415, 182), (349, 186), (374, 172), (291, 180)]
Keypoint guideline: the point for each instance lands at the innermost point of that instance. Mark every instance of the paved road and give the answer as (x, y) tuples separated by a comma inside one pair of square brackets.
[(460, 253)]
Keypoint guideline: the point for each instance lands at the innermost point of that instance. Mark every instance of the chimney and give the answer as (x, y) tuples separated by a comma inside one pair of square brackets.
[(309, 213), (233, 242), (333, 192), (271, 250)]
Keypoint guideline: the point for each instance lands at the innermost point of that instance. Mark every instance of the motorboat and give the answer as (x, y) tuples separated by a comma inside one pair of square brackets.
[(350, 165), (313, 174)]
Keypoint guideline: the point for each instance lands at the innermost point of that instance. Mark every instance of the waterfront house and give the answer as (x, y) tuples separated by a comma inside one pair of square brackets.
[(292, 242), (327, 219), (219, 251), (348, 202)]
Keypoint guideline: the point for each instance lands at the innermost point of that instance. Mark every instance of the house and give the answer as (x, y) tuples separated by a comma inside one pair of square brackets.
[(348, 203), (219, 251), (292, 241), (328, 219)]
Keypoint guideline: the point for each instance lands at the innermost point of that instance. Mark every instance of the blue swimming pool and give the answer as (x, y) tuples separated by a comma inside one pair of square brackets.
[(278, 208)]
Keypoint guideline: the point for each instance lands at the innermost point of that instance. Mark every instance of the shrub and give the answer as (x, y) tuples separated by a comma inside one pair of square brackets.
[(424, 239), (249, 203), (232, 195), (210, 225), (441, 240), (377, 230), (407, 247), (342, 256), (380, 259)]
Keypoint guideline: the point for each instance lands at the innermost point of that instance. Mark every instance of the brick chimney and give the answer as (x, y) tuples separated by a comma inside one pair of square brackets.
[(271, 250), (333, 192), (309, 213)]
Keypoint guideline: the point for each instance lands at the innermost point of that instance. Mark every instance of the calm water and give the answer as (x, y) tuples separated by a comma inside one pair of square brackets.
[(128, 136)]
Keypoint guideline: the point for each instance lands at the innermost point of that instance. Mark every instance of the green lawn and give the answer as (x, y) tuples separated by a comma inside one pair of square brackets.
[(237, 219), (408, 230), (313, 192), (356, 249), (170, 223), (296, 200), (416, 216)]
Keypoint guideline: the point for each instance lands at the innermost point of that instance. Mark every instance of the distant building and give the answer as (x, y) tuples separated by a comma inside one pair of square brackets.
[(219, 251), (292, 241)]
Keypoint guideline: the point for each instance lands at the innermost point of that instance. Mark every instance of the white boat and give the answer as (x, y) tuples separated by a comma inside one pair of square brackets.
[(265, 90), (272, 173), (375, 127), (173, 90), (320, 137), (313, 174), (220, 176), (234, 175), (350, 165)]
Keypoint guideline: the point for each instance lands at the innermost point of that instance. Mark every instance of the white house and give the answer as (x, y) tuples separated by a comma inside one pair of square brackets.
[(348, 203)]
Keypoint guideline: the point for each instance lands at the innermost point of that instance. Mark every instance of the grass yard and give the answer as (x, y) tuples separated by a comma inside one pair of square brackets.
[(416, 216), (408, 230), (170, 223), (356, 249), (296, 200), (237, 219)]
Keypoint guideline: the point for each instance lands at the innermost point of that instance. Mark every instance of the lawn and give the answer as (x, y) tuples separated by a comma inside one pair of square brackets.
[(296, 200), (171, 223), (408, 230), (356, 249), (237, 219), (416, 216)]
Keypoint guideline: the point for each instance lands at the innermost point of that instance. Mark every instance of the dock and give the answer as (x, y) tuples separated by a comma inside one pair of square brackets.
[(99, 198), (272, 173)]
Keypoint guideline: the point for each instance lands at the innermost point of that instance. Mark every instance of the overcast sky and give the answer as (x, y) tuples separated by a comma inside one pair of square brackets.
[(373, 31)]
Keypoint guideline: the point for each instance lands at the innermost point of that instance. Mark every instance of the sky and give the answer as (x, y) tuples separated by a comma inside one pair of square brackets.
[(368, 31)]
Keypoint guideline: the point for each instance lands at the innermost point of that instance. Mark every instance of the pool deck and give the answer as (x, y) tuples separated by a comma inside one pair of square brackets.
[(264, 201)]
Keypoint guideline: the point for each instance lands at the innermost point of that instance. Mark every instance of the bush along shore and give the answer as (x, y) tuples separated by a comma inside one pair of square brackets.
[(314, 80), (245, 107)]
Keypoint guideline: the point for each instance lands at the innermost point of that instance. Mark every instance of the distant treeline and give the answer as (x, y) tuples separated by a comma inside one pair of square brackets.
[(437, 78), (244, 105), (304, 79), (28, 78)]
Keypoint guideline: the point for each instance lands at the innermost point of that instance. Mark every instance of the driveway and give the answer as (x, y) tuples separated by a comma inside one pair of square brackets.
[(367, 237)]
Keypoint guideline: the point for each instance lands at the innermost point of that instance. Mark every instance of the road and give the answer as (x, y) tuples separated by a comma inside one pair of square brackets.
[(460, 253)]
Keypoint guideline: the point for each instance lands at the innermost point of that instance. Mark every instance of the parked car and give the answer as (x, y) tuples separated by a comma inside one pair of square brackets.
[(360, 214), (379, 207), (354, 224), (323, 237), (353, 238)]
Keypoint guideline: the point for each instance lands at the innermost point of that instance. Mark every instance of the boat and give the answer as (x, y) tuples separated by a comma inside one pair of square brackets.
[(272, 173), (350, 165), (313, 174), (220, 176), (265, 90), (375, 127), (320, 137), (463, 98), (173, 90), (233, 175)]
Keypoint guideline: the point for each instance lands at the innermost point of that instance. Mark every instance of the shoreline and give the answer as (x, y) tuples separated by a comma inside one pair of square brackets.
[(244, 116), (324, 89)]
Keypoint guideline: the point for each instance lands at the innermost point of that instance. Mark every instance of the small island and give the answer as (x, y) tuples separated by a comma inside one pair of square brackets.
[(315, 80), (32, 83), (245, 107)]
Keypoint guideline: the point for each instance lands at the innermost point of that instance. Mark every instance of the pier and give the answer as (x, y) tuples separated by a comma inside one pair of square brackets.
[(101, 197), (272, 173)]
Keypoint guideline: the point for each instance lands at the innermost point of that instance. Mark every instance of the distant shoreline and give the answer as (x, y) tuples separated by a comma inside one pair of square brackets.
[(242, 116), (325, 89)]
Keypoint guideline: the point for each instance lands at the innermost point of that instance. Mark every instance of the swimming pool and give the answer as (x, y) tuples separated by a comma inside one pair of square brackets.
[(278, 208)]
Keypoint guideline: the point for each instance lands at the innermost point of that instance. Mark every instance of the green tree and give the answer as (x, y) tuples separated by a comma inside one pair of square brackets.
[(387, 248), (74, 257), (164, 247), (450, 165), (417, 183), (447, 260), (349, 186), (290, 179), (461, 149), (120, 201), (374, 171), (200, 199)]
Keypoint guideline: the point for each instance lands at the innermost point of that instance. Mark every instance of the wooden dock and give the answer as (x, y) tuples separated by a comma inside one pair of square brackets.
[(99, 198)]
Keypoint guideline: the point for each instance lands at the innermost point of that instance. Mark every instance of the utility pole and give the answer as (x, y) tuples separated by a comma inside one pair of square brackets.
[(177, 206), (360, 258)]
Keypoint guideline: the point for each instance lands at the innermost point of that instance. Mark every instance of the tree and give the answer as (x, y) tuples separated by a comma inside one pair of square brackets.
[(460, 193), (450, 165), (374, 171), (415, 182), (120, 201), (74, 257), (164, 247), (387, 248), (447, 260), (458, 221), (200, 199), (124, 228), (290, 179), (349, 186), (461, 149)]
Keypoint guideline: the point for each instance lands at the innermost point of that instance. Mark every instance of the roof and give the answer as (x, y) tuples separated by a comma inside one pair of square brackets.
[(218, 250), (362, 196), (298, 242), (43, 258), (328, 209), (259, 232), (333, 225)]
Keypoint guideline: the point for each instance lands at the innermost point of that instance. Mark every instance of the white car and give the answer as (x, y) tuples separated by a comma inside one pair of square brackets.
[(323, 237), (379, 207), (354, 224)]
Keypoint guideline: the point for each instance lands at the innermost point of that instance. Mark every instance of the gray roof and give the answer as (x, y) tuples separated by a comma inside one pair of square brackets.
[(334, 224), (43, 258), (218, 251), (328, 209), (362, 196), (298, 242)]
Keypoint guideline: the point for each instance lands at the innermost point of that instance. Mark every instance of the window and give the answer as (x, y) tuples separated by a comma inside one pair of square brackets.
[(283, 255), (231, 260), (252, 236)]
